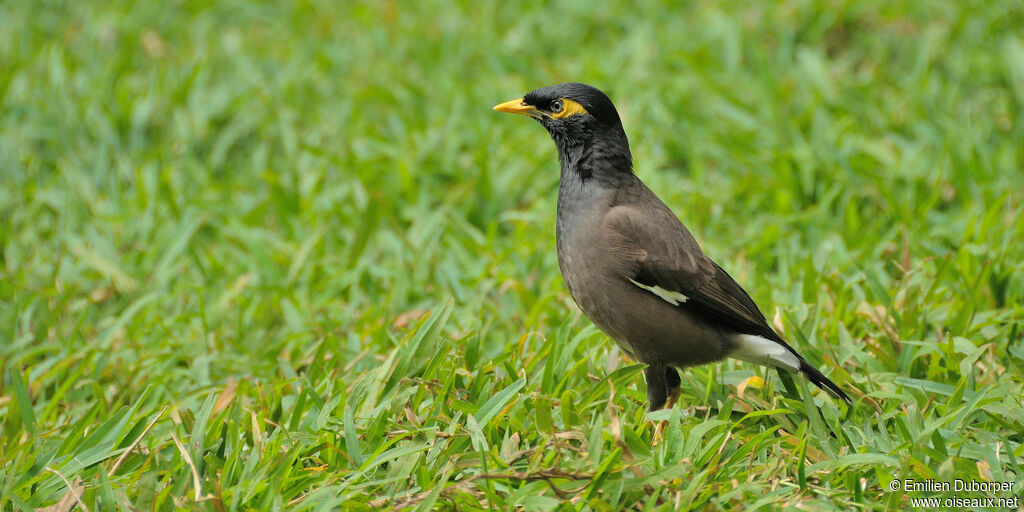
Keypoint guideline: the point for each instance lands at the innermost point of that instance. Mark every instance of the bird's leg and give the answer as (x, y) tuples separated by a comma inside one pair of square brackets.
[(657, 385), (672, 381), (658, 379)]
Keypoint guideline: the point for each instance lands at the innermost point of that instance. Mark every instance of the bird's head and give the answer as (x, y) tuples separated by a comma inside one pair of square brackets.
[(570, 109), (583, 123)]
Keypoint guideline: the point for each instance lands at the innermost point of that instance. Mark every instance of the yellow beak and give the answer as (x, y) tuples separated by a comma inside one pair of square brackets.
[(518, 106)]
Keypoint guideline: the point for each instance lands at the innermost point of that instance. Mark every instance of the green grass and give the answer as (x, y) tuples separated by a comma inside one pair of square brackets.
[(282, 255)]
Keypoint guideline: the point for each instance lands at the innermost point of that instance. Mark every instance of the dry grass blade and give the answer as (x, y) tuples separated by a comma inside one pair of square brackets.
[(69, 500), (198, 491), (120, 460), (546, 475)]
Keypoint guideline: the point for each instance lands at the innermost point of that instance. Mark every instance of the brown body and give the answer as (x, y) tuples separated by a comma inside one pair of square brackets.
[(631, 266), (648, 328)]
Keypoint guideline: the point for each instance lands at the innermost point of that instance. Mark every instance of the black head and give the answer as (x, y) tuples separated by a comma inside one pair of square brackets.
[(584, 125), (568, 108)]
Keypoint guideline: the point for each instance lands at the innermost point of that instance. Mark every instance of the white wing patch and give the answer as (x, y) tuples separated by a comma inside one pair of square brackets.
[(674, 298), (763, 351)]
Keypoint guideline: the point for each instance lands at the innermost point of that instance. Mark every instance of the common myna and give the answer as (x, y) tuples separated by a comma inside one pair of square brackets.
[(631, 265)]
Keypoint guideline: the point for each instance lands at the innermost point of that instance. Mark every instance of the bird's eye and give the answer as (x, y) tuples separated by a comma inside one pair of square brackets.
[(556, 106)]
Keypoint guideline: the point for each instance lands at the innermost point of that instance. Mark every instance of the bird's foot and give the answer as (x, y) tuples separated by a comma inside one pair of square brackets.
[(673, 397), (659, 429)]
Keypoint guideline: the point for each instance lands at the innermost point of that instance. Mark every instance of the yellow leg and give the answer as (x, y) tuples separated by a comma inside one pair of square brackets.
[(659, 429)]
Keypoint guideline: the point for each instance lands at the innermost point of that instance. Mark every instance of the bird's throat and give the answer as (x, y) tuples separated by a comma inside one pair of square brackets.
[(594, 168), (606, 162), (572, 158), (581, 192)]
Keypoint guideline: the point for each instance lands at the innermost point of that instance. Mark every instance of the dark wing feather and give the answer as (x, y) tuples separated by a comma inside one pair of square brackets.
[(665, 254), (661, 252)]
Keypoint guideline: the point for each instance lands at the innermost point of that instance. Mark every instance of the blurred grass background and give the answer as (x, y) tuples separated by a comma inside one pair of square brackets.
[(264, 255)]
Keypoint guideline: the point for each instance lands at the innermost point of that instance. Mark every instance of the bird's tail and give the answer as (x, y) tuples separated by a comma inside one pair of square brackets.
[(822, 381)]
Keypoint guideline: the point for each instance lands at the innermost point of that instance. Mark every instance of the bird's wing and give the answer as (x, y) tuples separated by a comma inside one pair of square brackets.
[(666, 260), (658, 254)]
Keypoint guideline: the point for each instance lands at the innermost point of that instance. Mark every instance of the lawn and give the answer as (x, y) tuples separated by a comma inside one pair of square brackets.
[(283, 255)]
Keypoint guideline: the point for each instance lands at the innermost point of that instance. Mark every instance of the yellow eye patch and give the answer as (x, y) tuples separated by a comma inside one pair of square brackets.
[(569, 108)]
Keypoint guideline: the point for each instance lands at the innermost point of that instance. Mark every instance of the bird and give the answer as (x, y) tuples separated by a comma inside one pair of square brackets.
[(631, 265)]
